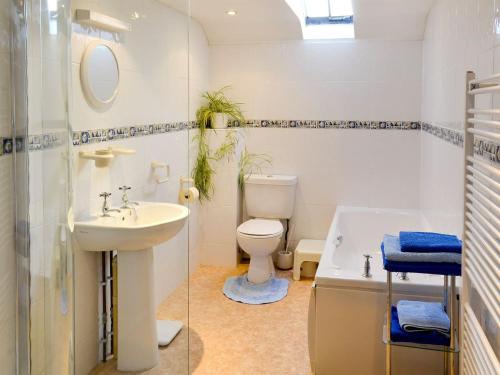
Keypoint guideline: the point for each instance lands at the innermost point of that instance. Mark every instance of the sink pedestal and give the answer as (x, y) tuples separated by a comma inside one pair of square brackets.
[(137, 336)]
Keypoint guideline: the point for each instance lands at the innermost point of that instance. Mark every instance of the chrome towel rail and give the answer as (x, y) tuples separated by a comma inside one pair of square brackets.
[(481, 246)]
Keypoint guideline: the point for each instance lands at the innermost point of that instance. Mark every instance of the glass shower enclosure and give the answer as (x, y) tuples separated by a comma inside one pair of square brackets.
[(59, 302), (39, 49)]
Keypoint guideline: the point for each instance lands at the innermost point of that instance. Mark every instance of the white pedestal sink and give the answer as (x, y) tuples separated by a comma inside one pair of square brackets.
[(134, 233)]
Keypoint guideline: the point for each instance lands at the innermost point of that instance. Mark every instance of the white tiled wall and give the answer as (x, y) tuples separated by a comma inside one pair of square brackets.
[(369, 168), (221, 215), (336, 80), (7, 254), (343, 80), (461, 35), (153, 60)]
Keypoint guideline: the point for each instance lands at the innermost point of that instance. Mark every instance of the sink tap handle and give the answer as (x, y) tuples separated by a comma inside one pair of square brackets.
[(124, 189), (105, 203)]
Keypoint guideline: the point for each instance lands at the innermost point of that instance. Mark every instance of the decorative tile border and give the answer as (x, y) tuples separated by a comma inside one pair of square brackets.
[(35, 143), (7, 145), (487, 150), (46, 141), (327, 124), (455, 137), (87, 137)]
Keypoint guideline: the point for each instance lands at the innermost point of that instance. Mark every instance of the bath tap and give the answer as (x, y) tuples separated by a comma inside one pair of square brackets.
[(366, 272), (105, 205), (403, 276)]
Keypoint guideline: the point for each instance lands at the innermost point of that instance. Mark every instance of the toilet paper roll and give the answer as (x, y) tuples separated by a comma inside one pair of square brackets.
[(189, 195)]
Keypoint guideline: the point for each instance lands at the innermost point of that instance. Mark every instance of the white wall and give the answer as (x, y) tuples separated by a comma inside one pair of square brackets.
[(7, 254), (339, 80), (342, 80), (153, 60), (372, 168), (460, 36)]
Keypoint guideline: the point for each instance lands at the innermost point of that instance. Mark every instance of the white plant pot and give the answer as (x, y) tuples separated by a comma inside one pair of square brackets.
[(219, 121)]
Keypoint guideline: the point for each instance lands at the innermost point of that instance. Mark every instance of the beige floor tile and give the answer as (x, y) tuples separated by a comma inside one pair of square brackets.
[(226, 337)]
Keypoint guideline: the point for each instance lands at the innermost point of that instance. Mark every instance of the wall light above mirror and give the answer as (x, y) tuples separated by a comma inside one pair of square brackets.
[(99, 75)]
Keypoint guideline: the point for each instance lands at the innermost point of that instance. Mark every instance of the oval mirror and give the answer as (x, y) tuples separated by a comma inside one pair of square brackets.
[(100, 75)]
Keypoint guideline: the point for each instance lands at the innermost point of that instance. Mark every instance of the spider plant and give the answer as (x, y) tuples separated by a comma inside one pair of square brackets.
[(203, 171), (251, 163), (218, 103)]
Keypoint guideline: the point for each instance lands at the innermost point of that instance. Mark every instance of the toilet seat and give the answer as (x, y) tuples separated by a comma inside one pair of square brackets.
[(260, 228)]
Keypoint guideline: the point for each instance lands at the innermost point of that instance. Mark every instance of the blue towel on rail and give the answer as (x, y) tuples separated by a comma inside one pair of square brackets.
[(419, 267), (418, 316), (429, 242), (400, 335), (393, 253)]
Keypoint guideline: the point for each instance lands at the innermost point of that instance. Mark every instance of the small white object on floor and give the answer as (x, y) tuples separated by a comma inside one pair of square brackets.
[(306, 251), (167, 330)]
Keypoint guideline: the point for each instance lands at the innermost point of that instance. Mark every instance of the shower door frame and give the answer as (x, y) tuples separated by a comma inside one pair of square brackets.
[(20, 23)]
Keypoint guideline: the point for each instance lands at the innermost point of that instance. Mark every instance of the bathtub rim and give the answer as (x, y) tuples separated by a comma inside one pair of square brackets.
[(325, 279)]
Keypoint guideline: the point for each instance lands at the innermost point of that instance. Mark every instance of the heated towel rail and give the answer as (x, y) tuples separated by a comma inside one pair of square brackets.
[(481, 249)]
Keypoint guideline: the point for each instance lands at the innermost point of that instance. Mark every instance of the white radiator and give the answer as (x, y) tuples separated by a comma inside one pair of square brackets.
[(481, 251)]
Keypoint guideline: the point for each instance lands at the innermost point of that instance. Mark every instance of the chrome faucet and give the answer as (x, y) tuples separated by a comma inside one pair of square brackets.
[(403, 276), (105, 205), (125, 201), (367, 266)]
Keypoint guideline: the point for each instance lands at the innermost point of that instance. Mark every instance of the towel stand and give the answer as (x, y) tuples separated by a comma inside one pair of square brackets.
[(450, 306)]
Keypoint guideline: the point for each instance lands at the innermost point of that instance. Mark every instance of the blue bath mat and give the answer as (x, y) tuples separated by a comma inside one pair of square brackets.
[(239, 289)]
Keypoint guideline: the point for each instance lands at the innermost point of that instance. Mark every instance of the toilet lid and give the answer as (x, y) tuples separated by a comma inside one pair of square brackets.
[(261, 227)]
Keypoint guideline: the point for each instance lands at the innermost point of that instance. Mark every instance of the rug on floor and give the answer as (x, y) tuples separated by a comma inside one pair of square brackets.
[(239, 289)]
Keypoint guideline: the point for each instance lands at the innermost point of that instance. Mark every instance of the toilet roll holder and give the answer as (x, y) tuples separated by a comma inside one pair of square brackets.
[(185, 183)]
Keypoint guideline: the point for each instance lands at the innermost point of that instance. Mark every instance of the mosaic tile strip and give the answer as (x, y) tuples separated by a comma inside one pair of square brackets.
[(487, 150), (36, 142), (7, 145), (455, 137), (87, 137), (46, 141), (327, 124)]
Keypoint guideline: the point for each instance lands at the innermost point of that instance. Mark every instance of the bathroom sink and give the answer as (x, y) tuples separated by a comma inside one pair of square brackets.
[(134, 232), (145, 226)]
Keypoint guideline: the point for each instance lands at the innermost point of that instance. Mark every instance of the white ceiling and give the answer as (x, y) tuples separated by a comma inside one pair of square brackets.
[(257, 20), (271, 20)]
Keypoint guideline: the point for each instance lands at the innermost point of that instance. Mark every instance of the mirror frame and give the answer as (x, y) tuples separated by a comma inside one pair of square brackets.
[(85, 77)]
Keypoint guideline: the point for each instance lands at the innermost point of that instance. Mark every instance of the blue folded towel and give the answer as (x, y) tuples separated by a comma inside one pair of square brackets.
[(427, 337), (392, 251), (418, 316), (429, 242), (419, 267)]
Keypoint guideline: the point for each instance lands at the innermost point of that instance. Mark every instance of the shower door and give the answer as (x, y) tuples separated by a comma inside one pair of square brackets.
[(40, 48)]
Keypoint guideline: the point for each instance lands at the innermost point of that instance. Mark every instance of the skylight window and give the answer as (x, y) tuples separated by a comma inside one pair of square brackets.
[(328, 19)]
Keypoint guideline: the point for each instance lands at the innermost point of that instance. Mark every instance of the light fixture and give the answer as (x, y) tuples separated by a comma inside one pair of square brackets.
[(91, 18), (231, 12)]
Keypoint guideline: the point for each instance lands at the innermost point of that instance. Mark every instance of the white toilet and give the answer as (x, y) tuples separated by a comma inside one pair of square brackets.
[(268, 199)]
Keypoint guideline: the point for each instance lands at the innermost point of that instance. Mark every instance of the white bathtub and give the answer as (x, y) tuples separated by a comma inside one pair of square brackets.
[(346, 314)]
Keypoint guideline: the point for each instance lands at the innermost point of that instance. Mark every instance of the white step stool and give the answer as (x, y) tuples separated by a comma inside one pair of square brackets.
[(306, 251)]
